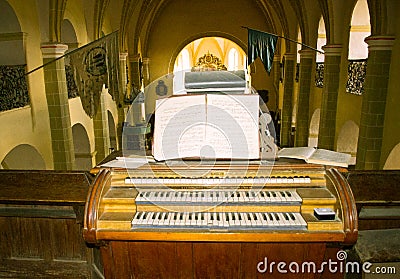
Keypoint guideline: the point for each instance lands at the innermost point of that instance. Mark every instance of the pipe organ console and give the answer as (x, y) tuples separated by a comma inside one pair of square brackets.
[(193, 220)]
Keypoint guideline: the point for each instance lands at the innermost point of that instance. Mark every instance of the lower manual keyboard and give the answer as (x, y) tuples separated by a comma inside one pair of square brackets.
[(218, 220)]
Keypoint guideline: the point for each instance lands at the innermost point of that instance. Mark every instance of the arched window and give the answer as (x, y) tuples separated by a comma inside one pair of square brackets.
[(360, 29), (233, 60), (320, 57), (321, 40), (358, 50), (182, 61)]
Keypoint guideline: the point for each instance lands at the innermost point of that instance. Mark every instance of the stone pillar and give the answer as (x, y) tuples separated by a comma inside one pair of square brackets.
[(121, 106), (327, 124), (374, 102), (135, 63), (287, 107), (57, 102), (101, 132), (146, 71), (276, 71), (303, 105)]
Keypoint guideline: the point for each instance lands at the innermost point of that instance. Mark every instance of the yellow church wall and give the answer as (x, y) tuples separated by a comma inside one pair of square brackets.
[(78, 115), (74, 13), (391, 131), (31, 124), (170, 31)]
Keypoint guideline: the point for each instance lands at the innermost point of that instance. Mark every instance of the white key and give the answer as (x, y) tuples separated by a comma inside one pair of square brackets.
[(173, 218), (300, 219), (279, 218), (136, 217), (141, 218), (139, 196), (151, 196), (147, 218), (241, 196), (281, 195), (249, 219), (242, 219), (207, 216), (214, 219), (186, 220), (273, 219), (237, 220), (261, 219)]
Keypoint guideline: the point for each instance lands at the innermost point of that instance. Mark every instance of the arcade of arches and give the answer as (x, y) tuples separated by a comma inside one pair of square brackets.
[(337, 88)]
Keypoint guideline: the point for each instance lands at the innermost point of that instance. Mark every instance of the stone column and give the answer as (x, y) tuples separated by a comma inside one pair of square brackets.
[(276, 72), (57, 102), (121, 106), (303, 105), (135, 63), (287, 108), (327, 124), (146, 71), (101, 132), (374, 102)]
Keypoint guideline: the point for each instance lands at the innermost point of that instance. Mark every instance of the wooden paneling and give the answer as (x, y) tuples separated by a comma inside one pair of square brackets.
[(41, 217), (212, 259), (377, 196)]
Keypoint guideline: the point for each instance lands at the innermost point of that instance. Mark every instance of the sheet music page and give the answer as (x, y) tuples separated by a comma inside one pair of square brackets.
[(296, 152), (179, 127), (232, 126), (329, 157)]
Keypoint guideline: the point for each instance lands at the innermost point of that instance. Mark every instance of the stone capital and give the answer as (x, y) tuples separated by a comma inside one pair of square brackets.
[(332, 50), (123, 55), (380, 42), (290, 56), (53, 50), (134, 58), (307, 53), (146, 60)]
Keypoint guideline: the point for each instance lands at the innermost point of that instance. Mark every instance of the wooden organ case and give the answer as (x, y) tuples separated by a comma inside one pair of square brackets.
[(194, 220)]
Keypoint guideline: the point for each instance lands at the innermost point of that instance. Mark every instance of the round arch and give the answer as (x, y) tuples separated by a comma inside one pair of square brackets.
[(112, 131), (393, 160), (83, 156), (192, 38), (13, 49), (347, 140), (33, 160)]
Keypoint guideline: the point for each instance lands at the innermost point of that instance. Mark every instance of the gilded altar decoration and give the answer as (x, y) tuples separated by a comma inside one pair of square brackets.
[(209, 62)]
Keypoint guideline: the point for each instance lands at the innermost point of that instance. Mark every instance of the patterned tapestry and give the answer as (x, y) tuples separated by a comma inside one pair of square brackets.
[(13, 87), (93, 65)]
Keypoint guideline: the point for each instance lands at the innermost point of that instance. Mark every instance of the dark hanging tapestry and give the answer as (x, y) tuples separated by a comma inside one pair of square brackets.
[(94, 65)]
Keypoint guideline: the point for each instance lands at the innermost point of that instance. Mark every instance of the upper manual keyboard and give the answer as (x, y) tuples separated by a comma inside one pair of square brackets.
[(215, 197), (143, 181)]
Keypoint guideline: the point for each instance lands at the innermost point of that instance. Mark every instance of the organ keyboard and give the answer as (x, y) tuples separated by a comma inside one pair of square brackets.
[(190, 200), (168, 207)]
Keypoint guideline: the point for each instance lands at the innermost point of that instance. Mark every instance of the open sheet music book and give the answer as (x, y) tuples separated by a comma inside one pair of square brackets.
[(316, 156), (214, 126)]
